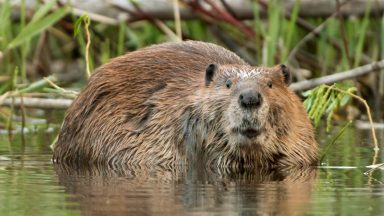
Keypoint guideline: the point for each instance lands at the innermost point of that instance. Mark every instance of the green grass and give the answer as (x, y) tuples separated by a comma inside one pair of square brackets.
[(47, 35)]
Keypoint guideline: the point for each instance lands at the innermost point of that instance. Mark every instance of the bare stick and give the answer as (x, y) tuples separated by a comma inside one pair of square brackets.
[(337, 77), (374, 167), (42, 103), (158, 23), (176, 12), (96, 17), (299, 86), (70, 93), (163, 27), (86, 26), (242, 9)]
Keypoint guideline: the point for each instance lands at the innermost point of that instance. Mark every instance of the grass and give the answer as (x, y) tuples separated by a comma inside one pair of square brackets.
[(33, 44)]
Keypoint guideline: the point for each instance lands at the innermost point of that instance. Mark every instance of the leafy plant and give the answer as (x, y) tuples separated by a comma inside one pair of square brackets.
[(15, 39), (38, 23), (325, 100)]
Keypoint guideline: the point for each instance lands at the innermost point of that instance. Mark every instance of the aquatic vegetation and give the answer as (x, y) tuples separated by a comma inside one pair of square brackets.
[(49, 51)]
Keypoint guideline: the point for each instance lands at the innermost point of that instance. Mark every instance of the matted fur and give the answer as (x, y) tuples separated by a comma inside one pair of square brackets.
[(154, 107)]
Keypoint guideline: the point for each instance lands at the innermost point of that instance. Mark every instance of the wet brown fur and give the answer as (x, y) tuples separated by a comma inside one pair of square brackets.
[(153, 107)]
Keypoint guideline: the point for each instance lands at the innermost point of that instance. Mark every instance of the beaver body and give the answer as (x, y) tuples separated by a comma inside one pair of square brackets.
[(187, 103)]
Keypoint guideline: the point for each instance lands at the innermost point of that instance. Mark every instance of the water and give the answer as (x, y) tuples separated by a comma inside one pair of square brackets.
[(31, 185)]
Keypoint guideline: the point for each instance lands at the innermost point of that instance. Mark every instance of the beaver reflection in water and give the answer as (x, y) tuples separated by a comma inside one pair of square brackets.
[(186, 103)]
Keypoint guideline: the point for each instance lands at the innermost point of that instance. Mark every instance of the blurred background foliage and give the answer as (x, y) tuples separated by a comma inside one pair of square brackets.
[(40, 41)]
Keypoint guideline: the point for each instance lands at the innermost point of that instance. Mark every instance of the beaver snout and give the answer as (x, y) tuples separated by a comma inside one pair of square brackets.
[(250, 99)]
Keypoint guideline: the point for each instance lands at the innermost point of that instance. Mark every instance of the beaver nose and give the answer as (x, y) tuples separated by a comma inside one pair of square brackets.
[(250, 99)]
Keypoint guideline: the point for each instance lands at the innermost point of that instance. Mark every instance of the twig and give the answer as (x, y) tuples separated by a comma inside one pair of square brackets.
[(355, 72), (162, 9), (218, 14), (157, 22), (23, 117), (4, 96), (225, 16), (96, 17), (64, 91), (375, 167), (9, 127), (164, 28), (42, 103), (176, 12), (87, 22)]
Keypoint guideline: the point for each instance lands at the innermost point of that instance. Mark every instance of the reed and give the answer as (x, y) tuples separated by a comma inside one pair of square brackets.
[(31, 45)]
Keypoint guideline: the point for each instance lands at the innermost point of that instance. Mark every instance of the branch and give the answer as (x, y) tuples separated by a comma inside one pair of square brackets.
[(241, 9), (337, 77), (41, 103), (45, 103)]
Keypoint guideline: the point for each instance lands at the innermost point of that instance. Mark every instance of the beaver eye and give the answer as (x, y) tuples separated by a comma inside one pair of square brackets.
[(270, 84), (228, 83)]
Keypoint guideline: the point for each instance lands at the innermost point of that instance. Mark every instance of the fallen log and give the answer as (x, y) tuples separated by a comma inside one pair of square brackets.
[(111, 11), (50, 103), (337, 77)]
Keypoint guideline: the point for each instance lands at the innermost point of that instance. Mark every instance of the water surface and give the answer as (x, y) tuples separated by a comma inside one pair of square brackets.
[(30, 184)]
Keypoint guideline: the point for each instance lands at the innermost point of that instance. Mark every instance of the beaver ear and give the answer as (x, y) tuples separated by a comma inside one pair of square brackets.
[(286, 74), (209, 73)]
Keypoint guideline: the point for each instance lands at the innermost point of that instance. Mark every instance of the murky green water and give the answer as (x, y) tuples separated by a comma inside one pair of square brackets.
[(31, 185)]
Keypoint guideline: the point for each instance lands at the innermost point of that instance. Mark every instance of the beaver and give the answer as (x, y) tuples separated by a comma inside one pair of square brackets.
[(187, 103)]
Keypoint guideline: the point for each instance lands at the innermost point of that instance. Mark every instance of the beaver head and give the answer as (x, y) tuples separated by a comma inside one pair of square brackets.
[(253, 109)]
